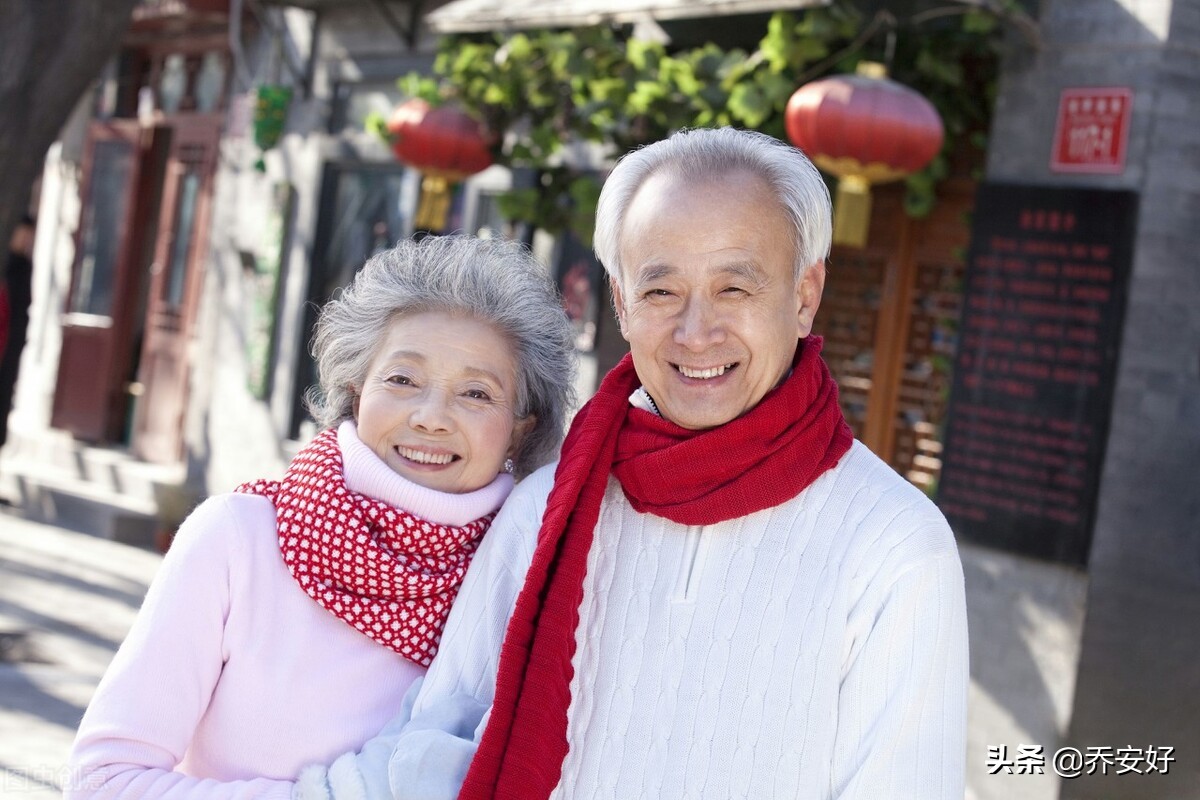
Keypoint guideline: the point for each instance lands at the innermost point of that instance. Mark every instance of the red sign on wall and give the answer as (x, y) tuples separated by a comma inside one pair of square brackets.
[(1093, 127)]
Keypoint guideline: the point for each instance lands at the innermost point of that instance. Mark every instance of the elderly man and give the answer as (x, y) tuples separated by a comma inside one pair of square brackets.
[(717, 592)]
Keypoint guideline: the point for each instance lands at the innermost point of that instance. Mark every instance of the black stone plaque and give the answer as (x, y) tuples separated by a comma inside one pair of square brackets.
[(1043, 302)]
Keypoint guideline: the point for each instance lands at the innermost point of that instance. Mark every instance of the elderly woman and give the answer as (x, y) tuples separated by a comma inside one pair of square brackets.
[(290, 618)]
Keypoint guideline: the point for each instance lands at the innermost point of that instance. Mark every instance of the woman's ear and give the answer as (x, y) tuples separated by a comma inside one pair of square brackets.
[(357, 395), (521, 429)]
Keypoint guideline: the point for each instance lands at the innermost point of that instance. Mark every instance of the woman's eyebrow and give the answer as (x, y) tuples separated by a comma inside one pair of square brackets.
[(480, 372), (410, 355)]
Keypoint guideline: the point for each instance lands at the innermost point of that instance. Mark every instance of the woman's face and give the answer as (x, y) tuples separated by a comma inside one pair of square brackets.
[(438, 404)]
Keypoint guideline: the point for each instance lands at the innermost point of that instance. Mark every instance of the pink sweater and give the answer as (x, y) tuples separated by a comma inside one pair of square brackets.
[(232, 679)]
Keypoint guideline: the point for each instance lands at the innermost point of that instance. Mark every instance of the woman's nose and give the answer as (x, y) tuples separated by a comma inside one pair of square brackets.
[(431, 413)]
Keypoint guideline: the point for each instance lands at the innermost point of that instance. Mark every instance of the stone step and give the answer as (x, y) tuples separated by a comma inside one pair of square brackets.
[(98, 490)]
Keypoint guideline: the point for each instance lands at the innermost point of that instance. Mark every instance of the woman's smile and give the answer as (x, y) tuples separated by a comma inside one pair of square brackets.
[(439, 401)]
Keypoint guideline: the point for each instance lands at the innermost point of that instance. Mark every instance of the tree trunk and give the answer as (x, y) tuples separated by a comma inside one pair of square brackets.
[(50, 52)]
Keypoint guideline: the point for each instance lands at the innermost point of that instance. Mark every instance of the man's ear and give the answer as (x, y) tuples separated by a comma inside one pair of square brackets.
[(619, 306), (808, 297)]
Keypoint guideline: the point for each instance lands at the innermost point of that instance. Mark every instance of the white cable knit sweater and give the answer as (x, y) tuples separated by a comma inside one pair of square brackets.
[(813, 650)]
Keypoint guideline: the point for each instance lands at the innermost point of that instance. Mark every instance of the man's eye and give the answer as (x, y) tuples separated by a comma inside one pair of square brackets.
[(733, 290), (657, 293)]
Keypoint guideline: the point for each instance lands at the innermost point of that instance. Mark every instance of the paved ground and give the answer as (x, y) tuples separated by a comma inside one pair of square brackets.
[(66, 601)]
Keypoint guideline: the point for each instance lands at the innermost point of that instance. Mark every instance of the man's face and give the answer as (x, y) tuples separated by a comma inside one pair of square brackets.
[(707, 300)]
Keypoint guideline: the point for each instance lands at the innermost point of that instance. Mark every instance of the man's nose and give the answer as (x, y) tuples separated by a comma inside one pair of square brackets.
[(698, 326)]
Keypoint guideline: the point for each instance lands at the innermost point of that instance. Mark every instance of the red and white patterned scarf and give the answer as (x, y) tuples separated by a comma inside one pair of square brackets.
[(390, 575)]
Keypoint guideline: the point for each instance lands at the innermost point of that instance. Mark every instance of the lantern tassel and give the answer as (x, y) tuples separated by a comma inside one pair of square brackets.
[(852, 211), (434, 205)]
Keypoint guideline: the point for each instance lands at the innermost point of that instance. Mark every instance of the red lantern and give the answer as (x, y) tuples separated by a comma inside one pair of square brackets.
[(443, 143), (864, 129)]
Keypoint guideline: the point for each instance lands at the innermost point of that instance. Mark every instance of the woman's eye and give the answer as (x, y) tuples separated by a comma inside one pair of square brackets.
[(478, 394), (399, 380)]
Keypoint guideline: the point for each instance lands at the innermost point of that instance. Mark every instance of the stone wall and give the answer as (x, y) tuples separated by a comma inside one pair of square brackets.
[(1137, 682)]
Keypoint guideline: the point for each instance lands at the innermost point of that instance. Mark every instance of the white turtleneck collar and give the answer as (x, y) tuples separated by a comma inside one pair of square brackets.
[(367, 474)]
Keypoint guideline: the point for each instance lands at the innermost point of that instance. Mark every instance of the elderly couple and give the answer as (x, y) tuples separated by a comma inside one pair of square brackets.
[(715, 592)]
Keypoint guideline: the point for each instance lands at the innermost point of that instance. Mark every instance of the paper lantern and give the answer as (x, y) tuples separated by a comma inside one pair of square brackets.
[(865, 129), (446, 145)]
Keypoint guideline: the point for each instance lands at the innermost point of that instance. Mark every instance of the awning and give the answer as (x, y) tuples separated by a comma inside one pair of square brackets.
[(467, 16)]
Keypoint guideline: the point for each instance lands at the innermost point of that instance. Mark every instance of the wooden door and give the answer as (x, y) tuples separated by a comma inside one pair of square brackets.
[(176, 278), (890, 317), (90, 396)]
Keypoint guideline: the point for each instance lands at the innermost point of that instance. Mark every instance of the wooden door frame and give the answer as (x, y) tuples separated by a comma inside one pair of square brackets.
[(160, 316), (891, 343), (126, 289)]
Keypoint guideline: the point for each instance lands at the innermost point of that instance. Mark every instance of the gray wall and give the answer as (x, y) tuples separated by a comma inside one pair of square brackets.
[(1139, 681)]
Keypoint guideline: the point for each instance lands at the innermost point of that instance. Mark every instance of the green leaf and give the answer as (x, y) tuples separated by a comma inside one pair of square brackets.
[(978, 22), (518, 46), (748, 104), (939, 69), (604, 89), (777, 45), (807, 51), (414, 84), (468, 56), (920, 194), (644, 55), (519, 205), (521, 154), (585, 192), (645, 95), (494, 94), (713, 94), (777, 89), (376, 125)]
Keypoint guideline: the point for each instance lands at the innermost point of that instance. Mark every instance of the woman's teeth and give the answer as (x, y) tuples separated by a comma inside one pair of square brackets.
[(425, 458)]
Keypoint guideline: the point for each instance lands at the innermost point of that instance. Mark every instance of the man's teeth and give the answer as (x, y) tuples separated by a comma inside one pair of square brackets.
[(711, 372), (425, 458)]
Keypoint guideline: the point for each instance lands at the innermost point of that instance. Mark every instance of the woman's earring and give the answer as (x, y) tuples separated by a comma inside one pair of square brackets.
[(508, 465)]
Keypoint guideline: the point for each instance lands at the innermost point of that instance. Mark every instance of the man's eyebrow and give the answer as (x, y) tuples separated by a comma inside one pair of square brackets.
[(653, 272), (744, 270)]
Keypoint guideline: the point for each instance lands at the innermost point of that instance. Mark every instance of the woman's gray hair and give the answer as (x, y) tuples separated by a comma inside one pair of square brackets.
[(492, 280), (700, 154)]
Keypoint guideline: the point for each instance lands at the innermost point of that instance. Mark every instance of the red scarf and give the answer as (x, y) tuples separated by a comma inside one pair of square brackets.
[(757, 461), (388, 574)]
